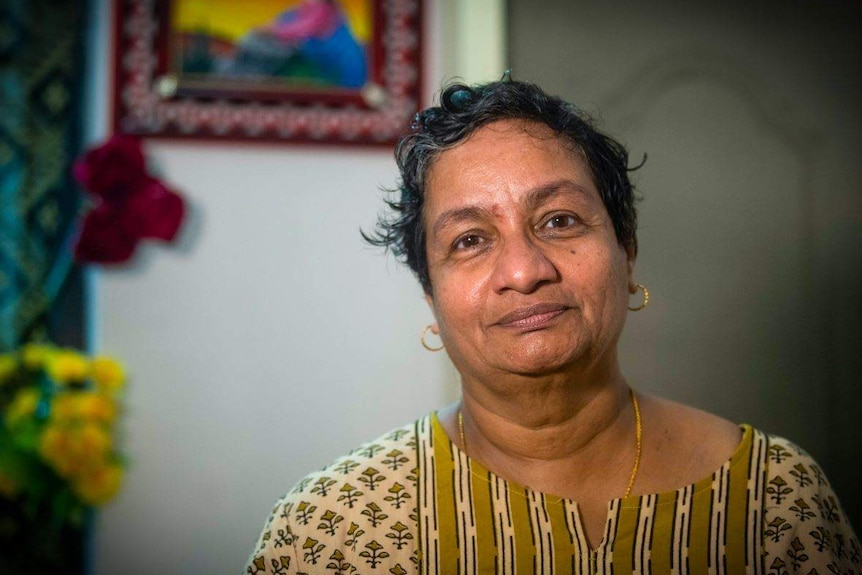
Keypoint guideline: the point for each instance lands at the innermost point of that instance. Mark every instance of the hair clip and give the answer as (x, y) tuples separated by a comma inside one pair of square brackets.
[(507, 76), (457, 97), (461, 98)]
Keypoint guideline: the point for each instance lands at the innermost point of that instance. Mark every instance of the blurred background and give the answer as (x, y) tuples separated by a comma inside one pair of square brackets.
[(269, 339)]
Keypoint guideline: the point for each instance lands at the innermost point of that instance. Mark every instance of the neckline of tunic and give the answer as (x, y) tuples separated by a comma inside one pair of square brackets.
[(740, 455)]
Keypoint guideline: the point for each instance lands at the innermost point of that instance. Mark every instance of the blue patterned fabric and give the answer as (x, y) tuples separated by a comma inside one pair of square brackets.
[(41, 70)]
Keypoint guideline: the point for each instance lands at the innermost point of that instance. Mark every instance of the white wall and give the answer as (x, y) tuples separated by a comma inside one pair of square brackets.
[(265, 346), (267, 342)]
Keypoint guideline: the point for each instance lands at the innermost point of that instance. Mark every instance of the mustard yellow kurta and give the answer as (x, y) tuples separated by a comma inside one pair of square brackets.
[(411, 502)]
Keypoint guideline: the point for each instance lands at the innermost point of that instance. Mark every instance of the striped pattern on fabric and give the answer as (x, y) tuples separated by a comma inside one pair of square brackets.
[(480, 523)]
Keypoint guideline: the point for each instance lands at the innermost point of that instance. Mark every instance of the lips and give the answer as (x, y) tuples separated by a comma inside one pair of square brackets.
[(532, 317)]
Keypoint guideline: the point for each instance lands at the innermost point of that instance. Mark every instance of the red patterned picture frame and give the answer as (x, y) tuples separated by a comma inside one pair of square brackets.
[(150, 100)]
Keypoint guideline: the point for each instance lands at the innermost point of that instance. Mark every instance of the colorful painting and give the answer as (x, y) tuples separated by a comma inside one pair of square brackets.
[(299, 44), (328, 71)]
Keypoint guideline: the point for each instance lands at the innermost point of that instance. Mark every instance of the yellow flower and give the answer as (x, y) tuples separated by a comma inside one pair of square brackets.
[(72, 450), (8, 365), (98, 485), (107, 374), (56, 448), (71, 406), (92, 443), (35, 355), (64, 407), (95, 406), (67, 365), (22, 407)]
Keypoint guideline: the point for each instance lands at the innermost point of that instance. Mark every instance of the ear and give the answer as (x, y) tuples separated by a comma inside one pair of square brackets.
[(630, 267), (435, 329)]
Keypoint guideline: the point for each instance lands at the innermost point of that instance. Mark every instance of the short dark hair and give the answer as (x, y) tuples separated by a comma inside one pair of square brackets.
[(464, 109)]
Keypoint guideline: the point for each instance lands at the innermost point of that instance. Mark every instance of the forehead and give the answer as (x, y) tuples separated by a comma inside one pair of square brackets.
[(505, 160)]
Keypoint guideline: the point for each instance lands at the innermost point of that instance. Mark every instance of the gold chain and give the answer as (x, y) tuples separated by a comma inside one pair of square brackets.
[(638, 437), (461, 431), (638, 434)]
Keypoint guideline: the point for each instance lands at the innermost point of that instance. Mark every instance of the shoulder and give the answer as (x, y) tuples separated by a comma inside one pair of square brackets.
[(358, 510), (683, 444), (361, 470), (804, 525), (681, 420)]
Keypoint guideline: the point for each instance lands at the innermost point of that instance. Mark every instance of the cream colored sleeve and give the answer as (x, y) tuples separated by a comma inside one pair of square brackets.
[(357, 514), (805, 530), (274, 551)]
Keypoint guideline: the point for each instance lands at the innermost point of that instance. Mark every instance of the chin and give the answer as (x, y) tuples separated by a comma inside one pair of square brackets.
[(539, 364), (544, 360)]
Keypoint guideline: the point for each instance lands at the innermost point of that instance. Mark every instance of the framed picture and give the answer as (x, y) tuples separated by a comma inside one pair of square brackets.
[(329, 71)]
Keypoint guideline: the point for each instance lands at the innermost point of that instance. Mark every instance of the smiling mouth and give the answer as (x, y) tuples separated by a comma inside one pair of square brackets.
[(533, 317)]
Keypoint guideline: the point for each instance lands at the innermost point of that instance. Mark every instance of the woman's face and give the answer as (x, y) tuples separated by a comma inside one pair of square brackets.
[(527, 275)]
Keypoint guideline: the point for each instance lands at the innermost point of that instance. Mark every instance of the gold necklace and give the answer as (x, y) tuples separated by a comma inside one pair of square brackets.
[(638, 436)]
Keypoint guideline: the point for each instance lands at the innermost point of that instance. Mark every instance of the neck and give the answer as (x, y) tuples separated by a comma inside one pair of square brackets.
[(549, 427), (548, 420)]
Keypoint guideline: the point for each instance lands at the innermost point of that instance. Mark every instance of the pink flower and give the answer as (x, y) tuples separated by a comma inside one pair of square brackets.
[(151, 210), (108, 170), (131, 204), (101, 240)]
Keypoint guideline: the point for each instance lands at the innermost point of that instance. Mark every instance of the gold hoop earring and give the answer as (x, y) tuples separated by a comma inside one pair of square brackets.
[(646, 297), (425, 344)]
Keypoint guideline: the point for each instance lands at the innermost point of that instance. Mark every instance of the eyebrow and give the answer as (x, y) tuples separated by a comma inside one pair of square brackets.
[(535, 198), (457, 215), (542, 194)]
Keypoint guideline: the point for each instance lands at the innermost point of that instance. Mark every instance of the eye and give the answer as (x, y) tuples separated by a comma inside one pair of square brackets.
[(561, 221), (467, 242)]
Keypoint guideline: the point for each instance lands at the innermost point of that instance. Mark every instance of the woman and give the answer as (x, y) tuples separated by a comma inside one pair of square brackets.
[(518, 219)]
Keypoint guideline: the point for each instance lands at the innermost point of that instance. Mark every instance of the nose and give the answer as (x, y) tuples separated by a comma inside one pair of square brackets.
[(522, 265)]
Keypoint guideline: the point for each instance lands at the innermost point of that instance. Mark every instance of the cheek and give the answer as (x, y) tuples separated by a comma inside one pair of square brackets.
[(458, 306), (453, 304), (606, 272)]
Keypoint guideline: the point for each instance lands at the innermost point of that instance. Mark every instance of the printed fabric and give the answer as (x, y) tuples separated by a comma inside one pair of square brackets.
[(412, 502)]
